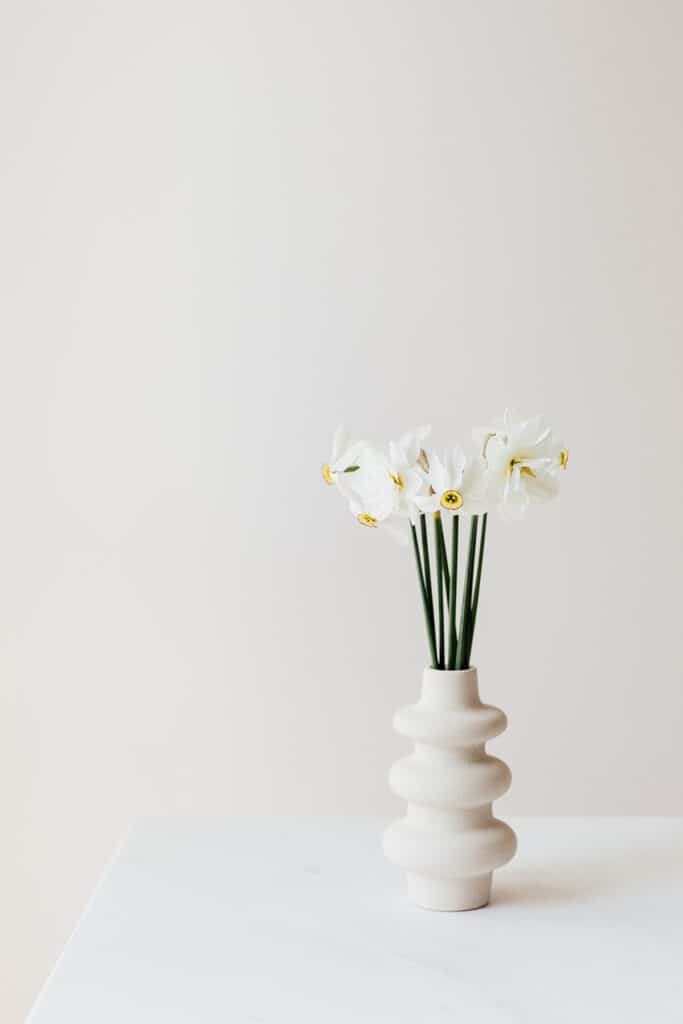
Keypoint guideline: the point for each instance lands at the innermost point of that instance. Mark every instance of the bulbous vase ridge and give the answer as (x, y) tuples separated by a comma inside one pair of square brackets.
[(449, 842)]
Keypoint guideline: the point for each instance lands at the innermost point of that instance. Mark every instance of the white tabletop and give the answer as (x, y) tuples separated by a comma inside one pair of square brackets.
[(285, 921)]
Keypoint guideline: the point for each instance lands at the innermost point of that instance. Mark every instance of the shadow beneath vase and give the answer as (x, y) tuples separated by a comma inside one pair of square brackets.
[(582, 880)]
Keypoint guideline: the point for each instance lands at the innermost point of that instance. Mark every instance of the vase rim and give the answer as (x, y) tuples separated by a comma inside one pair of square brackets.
[(450, 671)]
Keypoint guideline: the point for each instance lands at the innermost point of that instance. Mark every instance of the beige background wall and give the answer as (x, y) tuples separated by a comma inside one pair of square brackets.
[(224, 228)]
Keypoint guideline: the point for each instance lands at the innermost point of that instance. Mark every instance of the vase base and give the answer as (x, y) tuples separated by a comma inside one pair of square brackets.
[(449, 894)]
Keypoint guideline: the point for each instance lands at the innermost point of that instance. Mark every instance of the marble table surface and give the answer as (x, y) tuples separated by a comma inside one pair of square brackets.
[(272, 921)]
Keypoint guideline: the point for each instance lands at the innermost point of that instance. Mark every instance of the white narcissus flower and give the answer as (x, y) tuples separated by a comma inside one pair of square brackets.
[(343, 459), (374, 498), (371, 489), (385, 486), (410, 445), (525, 460), (373, 509), (406, 461), (361, 474), (380, 487), (457, 483)]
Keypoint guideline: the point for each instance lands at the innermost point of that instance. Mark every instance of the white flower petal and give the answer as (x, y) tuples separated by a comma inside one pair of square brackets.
[(526, 434), (428, 504), (438, 477), (515, 500), (456, 460), (543, 487), (396, 455), (344, 484)]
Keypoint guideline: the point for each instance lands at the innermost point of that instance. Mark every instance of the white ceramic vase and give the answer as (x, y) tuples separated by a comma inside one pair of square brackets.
[(449, 843)]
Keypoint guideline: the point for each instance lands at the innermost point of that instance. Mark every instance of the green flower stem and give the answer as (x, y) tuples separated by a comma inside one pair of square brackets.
[(462, 660), (427, 570), (438, 526), (477, 585), (441, 654), (452, 595), (429, 623)]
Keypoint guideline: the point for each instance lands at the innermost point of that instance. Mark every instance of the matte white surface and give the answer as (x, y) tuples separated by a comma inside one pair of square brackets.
[(301, 922)]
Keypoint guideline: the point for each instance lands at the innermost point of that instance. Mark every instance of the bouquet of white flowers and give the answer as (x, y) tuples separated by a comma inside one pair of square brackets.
[(517, 462)]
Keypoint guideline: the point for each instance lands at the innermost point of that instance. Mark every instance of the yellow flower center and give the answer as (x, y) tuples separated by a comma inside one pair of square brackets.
[(367, 520), (398, 480), (564, 457), (523, 469), (451, 500), (327, 474)]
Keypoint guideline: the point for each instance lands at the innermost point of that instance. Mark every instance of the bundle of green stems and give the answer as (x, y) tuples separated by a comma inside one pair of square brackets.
[(450, 641)]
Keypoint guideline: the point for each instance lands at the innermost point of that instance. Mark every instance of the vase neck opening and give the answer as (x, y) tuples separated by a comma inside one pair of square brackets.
[(442, 688)]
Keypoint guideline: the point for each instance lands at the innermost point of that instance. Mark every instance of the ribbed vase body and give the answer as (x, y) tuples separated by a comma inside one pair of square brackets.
[(449, 842)]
